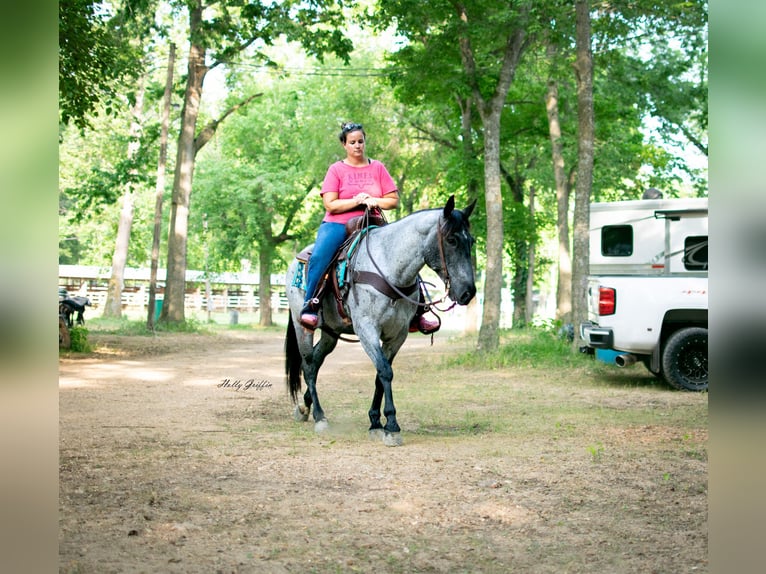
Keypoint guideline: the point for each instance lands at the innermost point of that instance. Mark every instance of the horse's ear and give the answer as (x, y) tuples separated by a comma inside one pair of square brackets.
[(469, 210), (449, 208)]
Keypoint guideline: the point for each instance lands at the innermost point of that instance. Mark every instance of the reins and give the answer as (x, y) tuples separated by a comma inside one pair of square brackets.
[(430, 303)]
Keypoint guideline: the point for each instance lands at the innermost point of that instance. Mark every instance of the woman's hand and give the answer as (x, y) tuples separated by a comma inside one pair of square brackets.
[(335, 205)]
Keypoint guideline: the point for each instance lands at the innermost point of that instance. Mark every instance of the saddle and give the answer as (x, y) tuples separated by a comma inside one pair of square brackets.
[(337, 276)]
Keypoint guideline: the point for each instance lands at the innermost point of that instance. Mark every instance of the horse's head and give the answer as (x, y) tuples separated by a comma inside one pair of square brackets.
[(456, 243)]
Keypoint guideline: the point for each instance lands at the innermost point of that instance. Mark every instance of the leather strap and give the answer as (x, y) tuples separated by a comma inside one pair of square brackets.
[(379, 283)]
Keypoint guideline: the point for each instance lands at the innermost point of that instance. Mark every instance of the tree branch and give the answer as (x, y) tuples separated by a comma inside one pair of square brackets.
[(283, 235), (466, 54), (514, 47), (693, 139), (432, 135), (209, 130)]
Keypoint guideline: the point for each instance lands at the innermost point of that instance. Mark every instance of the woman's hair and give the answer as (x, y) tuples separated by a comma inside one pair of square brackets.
[(348, 127)]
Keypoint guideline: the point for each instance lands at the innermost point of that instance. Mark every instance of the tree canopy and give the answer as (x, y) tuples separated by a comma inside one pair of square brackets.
[(259, 151)]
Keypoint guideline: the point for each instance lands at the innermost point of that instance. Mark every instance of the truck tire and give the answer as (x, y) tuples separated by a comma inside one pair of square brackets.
[(684, 359)]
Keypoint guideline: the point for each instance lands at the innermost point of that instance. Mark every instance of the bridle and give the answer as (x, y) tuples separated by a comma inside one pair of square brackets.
[(430, 304)]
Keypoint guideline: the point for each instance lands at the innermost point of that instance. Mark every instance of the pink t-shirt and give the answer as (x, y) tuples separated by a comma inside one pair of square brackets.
[(348, 181)]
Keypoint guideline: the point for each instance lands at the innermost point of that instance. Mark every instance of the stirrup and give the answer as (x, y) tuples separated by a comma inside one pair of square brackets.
[(420, 323), (309, 320), (309, 317)]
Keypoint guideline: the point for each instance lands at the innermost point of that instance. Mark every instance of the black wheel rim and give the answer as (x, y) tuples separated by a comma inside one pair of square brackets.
[(692, 364)]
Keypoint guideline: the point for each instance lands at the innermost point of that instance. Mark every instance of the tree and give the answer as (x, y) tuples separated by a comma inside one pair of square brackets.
[(95, 56), (113, 304), (563, 188), (259, 184), (225, 30), (585, 138), (490, 42)]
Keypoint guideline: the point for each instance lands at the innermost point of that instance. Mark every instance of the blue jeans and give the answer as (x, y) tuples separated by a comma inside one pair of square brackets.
[(330, 237)]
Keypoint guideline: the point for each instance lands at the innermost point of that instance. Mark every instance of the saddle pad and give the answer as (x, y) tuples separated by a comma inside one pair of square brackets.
[(299, 278)]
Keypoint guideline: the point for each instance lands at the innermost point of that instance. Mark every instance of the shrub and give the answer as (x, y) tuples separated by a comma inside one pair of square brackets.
[(79, 338)]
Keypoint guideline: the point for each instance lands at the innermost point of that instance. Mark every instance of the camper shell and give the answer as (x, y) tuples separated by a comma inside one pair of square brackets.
[(647, 289)]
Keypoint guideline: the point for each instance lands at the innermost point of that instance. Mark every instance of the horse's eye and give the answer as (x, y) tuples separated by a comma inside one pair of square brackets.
[(451, 241)]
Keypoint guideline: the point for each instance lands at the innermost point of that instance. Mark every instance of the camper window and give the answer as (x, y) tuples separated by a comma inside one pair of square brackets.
[(617, 240), (695, 253)]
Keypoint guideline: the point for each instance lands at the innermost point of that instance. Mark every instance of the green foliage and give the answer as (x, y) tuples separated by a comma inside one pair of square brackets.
[(257, 180), (96, 54), (132, 328), (596, 451), (258, 188), (79, 338), (523, 348)]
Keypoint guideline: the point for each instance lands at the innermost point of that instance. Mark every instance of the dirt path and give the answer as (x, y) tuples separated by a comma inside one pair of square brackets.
[(164, 467)]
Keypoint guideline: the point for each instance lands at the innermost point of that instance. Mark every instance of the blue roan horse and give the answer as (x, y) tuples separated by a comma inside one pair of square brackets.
[(438, 238)]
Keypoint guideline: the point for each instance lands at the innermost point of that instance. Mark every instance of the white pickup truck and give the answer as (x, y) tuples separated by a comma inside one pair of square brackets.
[(648, 287)]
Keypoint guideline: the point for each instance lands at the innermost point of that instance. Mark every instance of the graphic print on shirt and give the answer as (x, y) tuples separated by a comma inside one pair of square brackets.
[(359, 182)]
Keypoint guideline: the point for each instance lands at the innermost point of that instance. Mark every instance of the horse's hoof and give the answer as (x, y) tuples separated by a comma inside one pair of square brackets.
[(321, 426), (377, 435), (300, 414), (392, 439)]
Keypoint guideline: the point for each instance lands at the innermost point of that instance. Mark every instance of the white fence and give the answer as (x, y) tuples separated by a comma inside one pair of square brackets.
[(240, 290), (219, 302)]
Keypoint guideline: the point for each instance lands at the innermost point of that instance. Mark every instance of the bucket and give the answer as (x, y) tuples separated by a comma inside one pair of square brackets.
[(157, 309)]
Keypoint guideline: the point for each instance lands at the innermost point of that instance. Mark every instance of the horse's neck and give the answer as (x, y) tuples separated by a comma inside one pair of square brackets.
[(399, 249)]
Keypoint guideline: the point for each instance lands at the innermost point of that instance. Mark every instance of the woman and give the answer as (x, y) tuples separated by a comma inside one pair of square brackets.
[(349, 187)]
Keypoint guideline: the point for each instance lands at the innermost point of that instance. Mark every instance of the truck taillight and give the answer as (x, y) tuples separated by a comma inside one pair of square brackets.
[(606, 300)]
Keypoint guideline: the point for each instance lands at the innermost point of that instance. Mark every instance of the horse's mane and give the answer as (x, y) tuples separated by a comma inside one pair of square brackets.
[(454, 223)]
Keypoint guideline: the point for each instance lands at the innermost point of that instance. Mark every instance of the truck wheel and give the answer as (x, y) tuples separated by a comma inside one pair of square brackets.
[(684, 359)]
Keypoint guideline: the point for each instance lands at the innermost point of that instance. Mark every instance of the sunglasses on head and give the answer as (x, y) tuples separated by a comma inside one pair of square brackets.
[(351, 127)]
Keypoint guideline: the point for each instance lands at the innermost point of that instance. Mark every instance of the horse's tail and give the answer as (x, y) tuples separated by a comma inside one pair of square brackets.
[(292, 360)]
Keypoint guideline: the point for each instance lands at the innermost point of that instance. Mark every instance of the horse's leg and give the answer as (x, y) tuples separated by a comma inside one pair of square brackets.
[(311, 365), (301, 412), (376, 429), (370, 340)]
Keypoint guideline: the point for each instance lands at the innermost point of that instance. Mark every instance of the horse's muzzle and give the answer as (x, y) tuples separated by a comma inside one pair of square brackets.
[(465, 297)]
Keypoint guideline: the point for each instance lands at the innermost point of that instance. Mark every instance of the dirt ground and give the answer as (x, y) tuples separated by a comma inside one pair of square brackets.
[(179, 453)]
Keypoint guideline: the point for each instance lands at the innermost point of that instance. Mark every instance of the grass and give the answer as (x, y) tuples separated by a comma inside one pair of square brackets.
[(522, 347), (133, 323), (136, 328)]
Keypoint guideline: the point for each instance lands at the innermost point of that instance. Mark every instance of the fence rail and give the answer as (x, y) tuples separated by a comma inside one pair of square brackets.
[(218, 302)]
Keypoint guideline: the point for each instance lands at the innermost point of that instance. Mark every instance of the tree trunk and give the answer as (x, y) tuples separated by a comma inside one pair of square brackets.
[(489, 338), (264, 285), (471, 324), (160, 187), (113, 304), (521, 249), (530, 287), (491, 113), (564, 282), (173, 305), (586, 128)]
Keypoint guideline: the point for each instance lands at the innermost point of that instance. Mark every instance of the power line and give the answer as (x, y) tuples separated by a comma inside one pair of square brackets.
[(345, 71)]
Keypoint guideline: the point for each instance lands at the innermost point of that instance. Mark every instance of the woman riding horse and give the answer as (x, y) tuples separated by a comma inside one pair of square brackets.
[(350, 186), (380, 301)]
